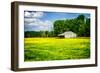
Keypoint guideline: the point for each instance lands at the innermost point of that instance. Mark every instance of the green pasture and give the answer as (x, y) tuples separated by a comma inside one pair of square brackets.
[(46, 49)]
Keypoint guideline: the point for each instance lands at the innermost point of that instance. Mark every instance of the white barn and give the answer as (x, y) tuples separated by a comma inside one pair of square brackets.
[(68, 34)]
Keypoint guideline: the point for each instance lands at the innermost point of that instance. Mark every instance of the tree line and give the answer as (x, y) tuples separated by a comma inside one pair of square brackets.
[(79, 25), (39, 34)]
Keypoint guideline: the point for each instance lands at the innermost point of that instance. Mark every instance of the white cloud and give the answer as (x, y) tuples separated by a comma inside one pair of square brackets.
[(27, 14), (30, 20), (37, 14), (39, 25), (33, 23)]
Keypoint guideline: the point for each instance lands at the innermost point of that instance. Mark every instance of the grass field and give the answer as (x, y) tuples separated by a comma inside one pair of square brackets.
[(44, 49)]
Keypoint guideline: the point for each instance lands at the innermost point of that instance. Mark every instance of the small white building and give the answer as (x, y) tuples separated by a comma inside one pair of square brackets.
[(68, 34)]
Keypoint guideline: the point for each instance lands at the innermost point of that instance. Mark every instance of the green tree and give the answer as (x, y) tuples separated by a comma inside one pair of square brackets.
[(59, 27)]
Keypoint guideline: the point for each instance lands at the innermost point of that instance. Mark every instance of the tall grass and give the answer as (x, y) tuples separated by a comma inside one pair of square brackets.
[(44, 49)]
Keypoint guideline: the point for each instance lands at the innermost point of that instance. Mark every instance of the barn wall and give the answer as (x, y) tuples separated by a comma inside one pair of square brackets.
[(70, 36)]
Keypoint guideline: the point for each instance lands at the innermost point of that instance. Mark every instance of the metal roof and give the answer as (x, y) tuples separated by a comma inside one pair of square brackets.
[(66, 33)]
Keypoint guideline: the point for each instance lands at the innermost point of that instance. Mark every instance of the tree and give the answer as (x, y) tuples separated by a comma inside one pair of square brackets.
[(79, 25), (81, 17), (88, 27), (59, 27)]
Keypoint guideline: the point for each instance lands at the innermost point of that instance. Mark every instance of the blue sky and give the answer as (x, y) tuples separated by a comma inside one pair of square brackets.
[(43, 21)]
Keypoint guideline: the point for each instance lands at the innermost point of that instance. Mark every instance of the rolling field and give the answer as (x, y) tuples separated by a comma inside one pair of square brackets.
[(45, 49)]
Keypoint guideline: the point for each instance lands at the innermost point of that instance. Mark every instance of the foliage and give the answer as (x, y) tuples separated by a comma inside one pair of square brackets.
[(38, 34), (45, 49), (79, 25)]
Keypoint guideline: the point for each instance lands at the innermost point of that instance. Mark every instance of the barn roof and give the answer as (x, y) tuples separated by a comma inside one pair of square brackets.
[(66, 33)]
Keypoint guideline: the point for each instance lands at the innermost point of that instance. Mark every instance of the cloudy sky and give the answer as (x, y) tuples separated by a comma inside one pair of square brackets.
[(43, 21)]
